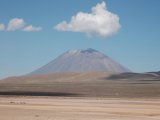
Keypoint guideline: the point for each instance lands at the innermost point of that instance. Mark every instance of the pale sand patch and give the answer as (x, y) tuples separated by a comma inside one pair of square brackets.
[(59, 108)]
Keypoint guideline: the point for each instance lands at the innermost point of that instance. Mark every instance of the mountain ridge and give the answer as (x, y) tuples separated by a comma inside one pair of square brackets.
[(88, 60)]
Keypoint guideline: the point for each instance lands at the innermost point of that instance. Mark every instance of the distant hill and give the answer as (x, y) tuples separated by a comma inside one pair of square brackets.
[(134, 76), (89, 60), (91, 84)]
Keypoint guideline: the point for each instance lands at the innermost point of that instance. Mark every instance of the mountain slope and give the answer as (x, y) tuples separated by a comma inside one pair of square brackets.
[(81, 61)]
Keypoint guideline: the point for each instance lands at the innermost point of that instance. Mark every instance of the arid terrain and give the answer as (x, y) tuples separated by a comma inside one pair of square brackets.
[(60, 108), (81, 96), (93, 84)]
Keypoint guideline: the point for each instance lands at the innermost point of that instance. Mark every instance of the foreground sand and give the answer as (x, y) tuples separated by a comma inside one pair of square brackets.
[(65, 108)]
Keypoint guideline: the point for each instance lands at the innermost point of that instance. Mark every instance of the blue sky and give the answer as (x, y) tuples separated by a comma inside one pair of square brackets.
[(136, 45)]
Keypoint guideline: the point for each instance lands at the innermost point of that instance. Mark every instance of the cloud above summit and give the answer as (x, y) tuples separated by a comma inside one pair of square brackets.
[(99, 22), (18, 24)]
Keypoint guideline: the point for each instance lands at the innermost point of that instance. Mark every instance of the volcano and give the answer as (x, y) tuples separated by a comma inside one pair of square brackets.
[(88, 60)]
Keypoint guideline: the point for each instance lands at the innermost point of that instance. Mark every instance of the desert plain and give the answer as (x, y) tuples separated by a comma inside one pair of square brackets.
[(88, 96), (71, 108)]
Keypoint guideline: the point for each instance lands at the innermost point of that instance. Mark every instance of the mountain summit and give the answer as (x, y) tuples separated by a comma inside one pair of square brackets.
[(89, 60)]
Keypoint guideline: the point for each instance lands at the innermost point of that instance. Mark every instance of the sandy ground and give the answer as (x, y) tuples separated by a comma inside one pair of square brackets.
[(65, 108)]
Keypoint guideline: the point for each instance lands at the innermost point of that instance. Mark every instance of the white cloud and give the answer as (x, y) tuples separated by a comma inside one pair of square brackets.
[(2, 27), (19, 24), (31, 28), (99, 22), (15, 24)]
